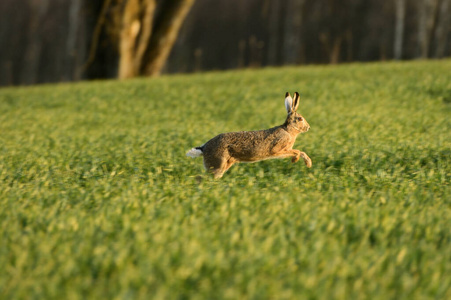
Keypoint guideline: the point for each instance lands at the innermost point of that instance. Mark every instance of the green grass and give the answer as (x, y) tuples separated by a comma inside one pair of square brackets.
[(98, 200)]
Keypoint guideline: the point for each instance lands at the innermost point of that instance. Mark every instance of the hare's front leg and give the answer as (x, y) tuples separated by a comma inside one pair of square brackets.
[(298, 154)]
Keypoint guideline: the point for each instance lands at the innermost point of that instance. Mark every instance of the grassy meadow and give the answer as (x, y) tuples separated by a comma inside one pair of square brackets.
[(99, 201)]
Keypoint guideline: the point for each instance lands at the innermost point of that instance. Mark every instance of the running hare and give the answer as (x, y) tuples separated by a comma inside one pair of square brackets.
[(222, 151)]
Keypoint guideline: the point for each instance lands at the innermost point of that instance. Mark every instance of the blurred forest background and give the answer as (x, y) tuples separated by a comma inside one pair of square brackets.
[(68, 40)]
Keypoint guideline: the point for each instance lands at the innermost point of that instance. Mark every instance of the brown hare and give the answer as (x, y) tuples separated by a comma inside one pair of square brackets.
[(222, 151)]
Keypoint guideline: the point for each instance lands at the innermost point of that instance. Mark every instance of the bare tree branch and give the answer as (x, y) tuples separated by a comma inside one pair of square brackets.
[(95, 38)]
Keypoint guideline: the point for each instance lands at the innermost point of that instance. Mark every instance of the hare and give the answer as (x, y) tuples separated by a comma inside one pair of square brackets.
[(222, 151)]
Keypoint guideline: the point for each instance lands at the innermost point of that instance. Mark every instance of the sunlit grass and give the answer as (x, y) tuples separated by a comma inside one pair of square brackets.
[(98, 199)]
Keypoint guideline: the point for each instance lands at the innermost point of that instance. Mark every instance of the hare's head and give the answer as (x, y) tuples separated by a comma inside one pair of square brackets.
[(295, 120)]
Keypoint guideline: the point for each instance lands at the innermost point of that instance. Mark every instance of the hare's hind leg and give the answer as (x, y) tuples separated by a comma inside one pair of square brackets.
[(224, 167), (218, 165)]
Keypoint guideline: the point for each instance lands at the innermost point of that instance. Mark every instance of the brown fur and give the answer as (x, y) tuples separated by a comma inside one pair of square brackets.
[(222, 151)]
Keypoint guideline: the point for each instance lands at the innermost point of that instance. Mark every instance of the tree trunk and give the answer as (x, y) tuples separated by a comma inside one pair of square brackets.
[(292, 39), (399, 28), (129, 33), (443, 29), (242, 54), (71, 42), (164, 35), (349, 42), (135, 36), (433, 25), (429, 13), (30, 71), (422, 28), (335, 51), (273, 31), (148, 8)]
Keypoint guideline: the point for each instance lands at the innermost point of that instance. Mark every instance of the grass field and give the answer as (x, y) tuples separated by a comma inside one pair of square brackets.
[(99, 201)]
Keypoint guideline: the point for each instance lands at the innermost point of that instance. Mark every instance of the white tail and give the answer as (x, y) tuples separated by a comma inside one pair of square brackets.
[(194, 153)]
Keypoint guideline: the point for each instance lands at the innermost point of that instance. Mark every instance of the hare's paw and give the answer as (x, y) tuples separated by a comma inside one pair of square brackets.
[(308, 161), (296, 155)]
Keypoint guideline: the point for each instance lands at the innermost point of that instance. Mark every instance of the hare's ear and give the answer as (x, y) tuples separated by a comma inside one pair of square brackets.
[(288, 102), (296, 101)]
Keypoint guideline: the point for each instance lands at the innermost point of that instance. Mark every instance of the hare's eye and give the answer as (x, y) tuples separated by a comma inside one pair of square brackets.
[(300, 119)]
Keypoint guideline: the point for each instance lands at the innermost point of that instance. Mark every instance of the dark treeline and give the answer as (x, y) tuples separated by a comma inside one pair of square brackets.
[(65, 40)]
